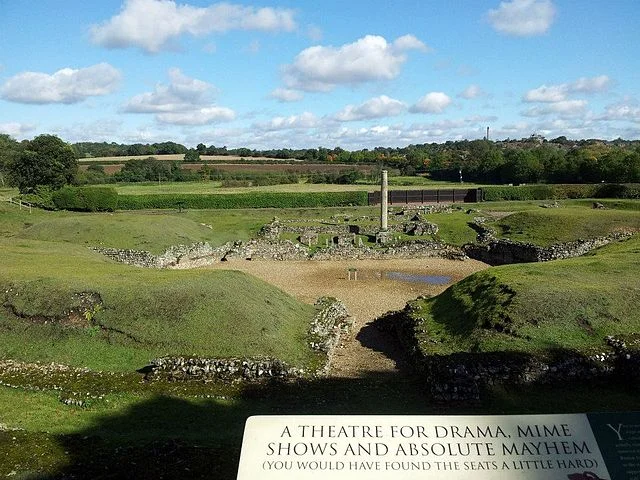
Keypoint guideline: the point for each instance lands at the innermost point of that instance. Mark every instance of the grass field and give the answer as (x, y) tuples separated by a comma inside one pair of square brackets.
[(129, 427), (215, 187)]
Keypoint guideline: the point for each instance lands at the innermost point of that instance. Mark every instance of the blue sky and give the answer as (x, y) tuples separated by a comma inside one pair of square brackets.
[(296, 74)]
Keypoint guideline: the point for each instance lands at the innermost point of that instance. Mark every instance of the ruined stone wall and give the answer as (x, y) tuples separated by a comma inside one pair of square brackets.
[(462, 376), (504, 251), (325, 329)]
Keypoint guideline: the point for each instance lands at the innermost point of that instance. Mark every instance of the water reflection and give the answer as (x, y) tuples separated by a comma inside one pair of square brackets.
[(416, 278)]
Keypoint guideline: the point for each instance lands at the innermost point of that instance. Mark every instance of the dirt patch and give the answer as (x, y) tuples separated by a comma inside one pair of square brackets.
[(364, 349)]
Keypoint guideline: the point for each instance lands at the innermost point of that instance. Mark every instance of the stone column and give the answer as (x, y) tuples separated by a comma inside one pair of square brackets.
[(384, 208)]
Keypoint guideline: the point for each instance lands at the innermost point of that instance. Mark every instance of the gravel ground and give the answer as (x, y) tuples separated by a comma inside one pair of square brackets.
[(364, 349)]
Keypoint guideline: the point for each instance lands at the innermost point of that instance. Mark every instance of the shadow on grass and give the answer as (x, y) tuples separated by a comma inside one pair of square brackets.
[(170, 437), (375, 336)]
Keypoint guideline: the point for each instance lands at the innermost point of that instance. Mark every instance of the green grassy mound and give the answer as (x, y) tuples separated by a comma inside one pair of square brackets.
[(146, 230), (80, 309), (536, 308), (545, 227)]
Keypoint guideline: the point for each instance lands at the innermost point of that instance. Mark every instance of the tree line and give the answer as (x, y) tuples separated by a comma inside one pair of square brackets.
[(48, 160)]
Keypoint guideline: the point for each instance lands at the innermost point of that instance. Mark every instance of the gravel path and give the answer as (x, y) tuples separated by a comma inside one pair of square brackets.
[(365, 349)]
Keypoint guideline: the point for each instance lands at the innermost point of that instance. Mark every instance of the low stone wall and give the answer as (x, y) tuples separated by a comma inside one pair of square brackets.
[(266, 250), (324, 332), (462, 376), (172, 257), (202, 254), (417, 249), (505, 251), (194, 368)]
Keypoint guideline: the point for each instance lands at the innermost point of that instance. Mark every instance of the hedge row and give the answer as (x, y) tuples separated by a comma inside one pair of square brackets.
[(559, 192), (242, 200), (86, 199)]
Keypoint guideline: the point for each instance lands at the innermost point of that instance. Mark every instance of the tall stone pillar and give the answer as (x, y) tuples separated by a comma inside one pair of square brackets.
[(384, 207)]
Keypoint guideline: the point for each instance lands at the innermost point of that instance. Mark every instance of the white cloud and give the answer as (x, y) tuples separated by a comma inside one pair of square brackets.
[(523, 18), (16, 129), (409, 42), (544, 93), (378, 107), (559, 92), (368, 59), (67, 85), (433, 102), (628, 110), (472, 91), (565, 108), (199, 116), (182, 93), (184, 101), (303, 121), (286, 95), (591, 85), (153, 25)]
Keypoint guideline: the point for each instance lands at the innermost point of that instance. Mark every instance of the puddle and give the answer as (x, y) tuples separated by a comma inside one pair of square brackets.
[(416, 278)]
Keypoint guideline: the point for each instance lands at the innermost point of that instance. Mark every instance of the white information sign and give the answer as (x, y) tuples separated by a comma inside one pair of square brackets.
[(548, 447)]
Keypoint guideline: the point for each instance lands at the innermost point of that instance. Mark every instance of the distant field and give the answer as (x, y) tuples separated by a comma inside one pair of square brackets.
[(180, 157), (264, 168), (214, 187)]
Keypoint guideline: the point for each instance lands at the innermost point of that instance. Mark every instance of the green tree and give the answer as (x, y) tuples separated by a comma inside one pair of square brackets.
[(9, 149), (192, 156), (45, 161)]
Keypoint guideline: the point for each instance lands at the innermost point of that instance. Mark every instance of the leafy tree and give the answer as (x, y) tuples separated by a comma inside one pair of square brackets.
[(45, 161), (9, 149), (192, 156)]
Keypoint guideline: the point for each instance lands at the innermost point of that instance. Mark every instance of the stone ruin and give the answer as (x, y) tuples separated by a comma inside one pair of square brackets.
[(330, 322)]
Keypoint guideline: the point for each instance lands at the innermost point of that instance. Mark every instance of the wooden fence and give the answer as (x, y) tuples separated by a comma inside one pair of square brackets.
[(453, 195)]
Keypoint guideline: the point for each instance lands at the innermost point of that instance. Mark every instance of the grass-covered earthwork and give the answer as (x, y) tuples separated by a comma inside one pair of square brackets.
[(538, 307)]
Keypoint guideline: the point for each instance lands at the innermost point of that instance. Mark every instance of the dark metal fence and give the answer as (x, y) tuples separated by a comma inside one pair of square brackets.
[(453, 195)]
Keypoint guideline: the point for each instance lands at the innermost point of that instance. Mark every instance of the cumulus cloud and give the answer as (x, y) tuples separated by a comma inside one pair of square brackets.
[(184, 101), (377, 107), (564, 108), (472, 91), (559, 92), (368, 59), (523, 18), (433, 102), (64, 86), (544, 93), (155, 25), (286, 95), (409, 42), (16, 129), (591, 85), (627, 110), (303, 121)]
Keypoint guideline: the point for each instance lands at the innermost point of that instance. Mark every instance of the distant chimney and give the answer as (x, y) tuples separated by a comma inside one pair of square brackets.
[(487, 133)]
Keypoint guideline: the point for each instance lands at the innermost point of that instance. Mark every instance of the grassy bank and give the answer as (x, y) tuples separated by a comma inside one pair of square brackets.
[(81, 309), (570, 304)]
